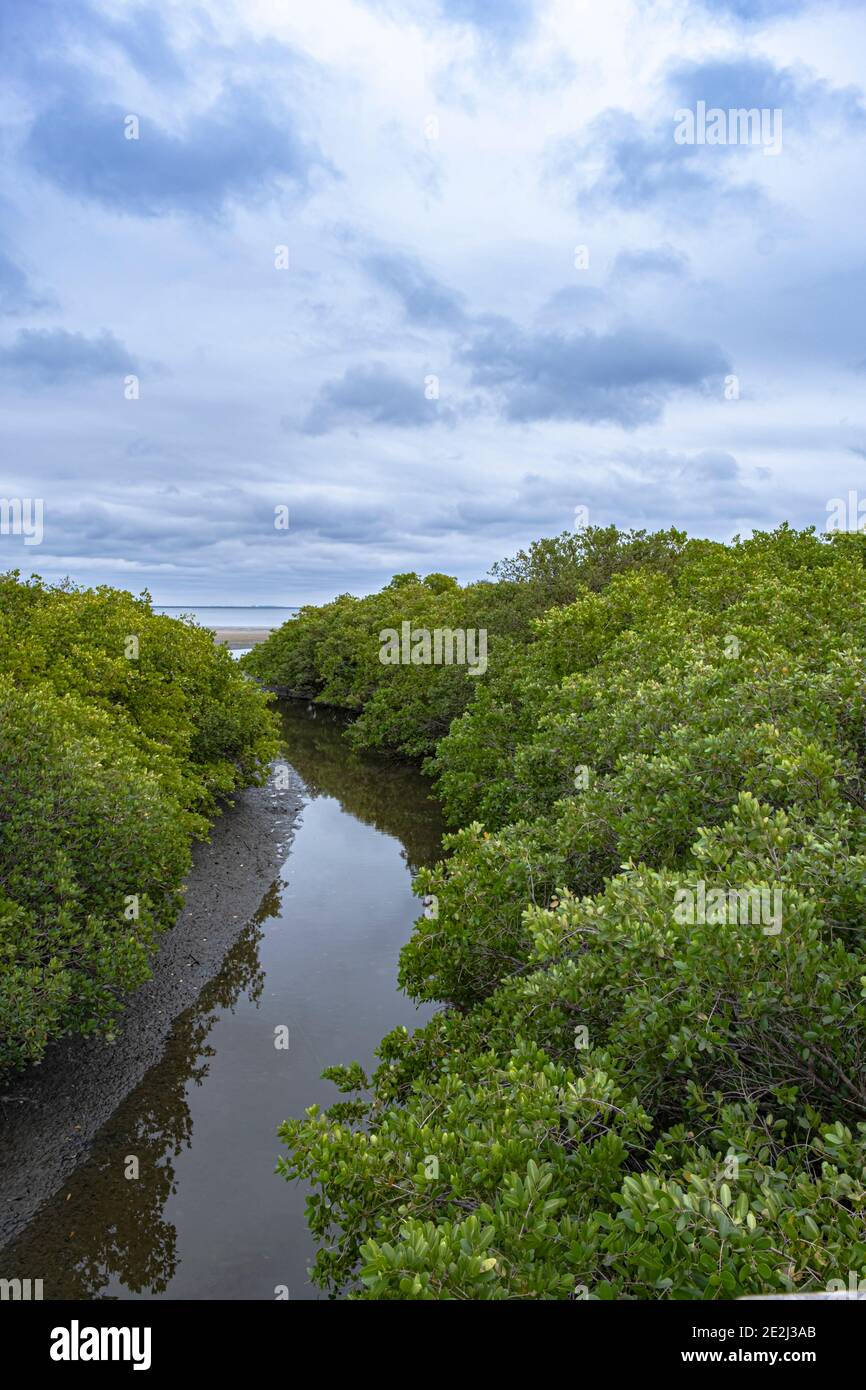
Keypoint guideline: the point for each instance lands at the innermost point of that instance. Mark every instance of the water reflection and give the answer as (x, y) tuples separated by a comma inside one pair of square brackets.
[(391, 796), (205, 1217), (103, 1223)]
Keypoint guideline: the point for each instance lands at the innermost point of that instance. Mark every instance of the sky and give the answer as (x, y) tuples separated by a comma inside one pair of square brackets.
[(429, 278)]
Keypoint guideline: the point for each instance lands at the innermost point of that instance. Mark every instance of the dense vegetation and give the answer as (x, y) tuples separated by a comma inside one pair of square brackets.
[(615, 1101), (331, 653), (120, 733)]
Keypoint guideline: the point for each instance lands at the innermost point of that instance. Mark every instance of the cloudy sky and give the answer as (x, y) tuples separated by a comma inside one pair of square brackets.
[(430, 273)]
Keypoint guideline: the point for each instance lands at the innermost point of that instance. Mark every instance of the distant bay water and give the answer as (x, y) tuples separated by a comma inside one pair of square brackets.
[(232, 617)]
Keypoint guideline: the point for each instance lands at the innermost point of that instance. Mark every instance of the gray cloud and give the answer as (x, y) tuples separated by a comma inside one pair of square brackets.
[(573, 304), (157, 525), (630, 164), (504, 21), (633, 164), (38, 41), (234, 150), (372, 395), (45, 357), (424, 299), (622, 377), (658, 260), (755, 11), (17, 294), (747, 81), (653, 488), (497, 23)]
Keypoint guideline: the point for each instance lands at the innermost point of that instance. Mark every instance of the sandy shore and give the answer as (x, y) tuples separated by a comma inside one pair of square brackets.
[(242, 636), (50, 1113)]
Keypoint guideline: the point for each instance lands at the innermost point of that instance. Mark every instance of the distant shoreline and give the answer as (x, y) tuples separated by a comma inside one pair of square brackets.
[(242, 636)]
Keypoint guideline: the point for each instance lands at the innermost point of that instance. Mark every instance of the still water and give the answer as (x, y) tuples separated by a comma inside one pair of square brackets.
[(207, 1217)]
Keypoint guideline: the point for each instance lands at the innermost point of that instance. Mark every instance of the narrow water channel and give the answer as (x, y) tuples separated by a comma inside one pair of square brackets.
[(206, 1217)]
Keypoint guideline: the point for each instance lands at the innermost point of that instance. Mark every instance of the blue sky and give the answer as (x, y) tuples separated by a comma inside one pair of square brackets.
[(439, 374)]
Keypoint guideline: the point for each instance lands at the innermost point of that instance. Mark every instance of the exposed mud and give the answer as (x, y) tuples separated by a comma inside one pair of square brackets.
[(237, 637)]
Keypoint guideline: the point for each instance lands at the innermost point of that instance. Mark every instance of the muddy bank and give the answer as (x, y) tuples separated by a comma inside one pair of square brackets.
[(50, 1114), (236, 637)]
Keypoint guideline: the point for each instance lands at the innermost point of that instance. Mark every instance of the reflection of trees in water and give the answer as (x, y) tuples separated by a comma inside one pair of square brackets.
[(393, 797), (112, 1225)]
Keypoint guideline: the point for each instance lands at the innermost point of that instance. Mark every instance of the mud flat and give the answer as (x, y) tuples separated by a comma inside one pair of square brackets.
[(242, 636), (50, 1113)]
